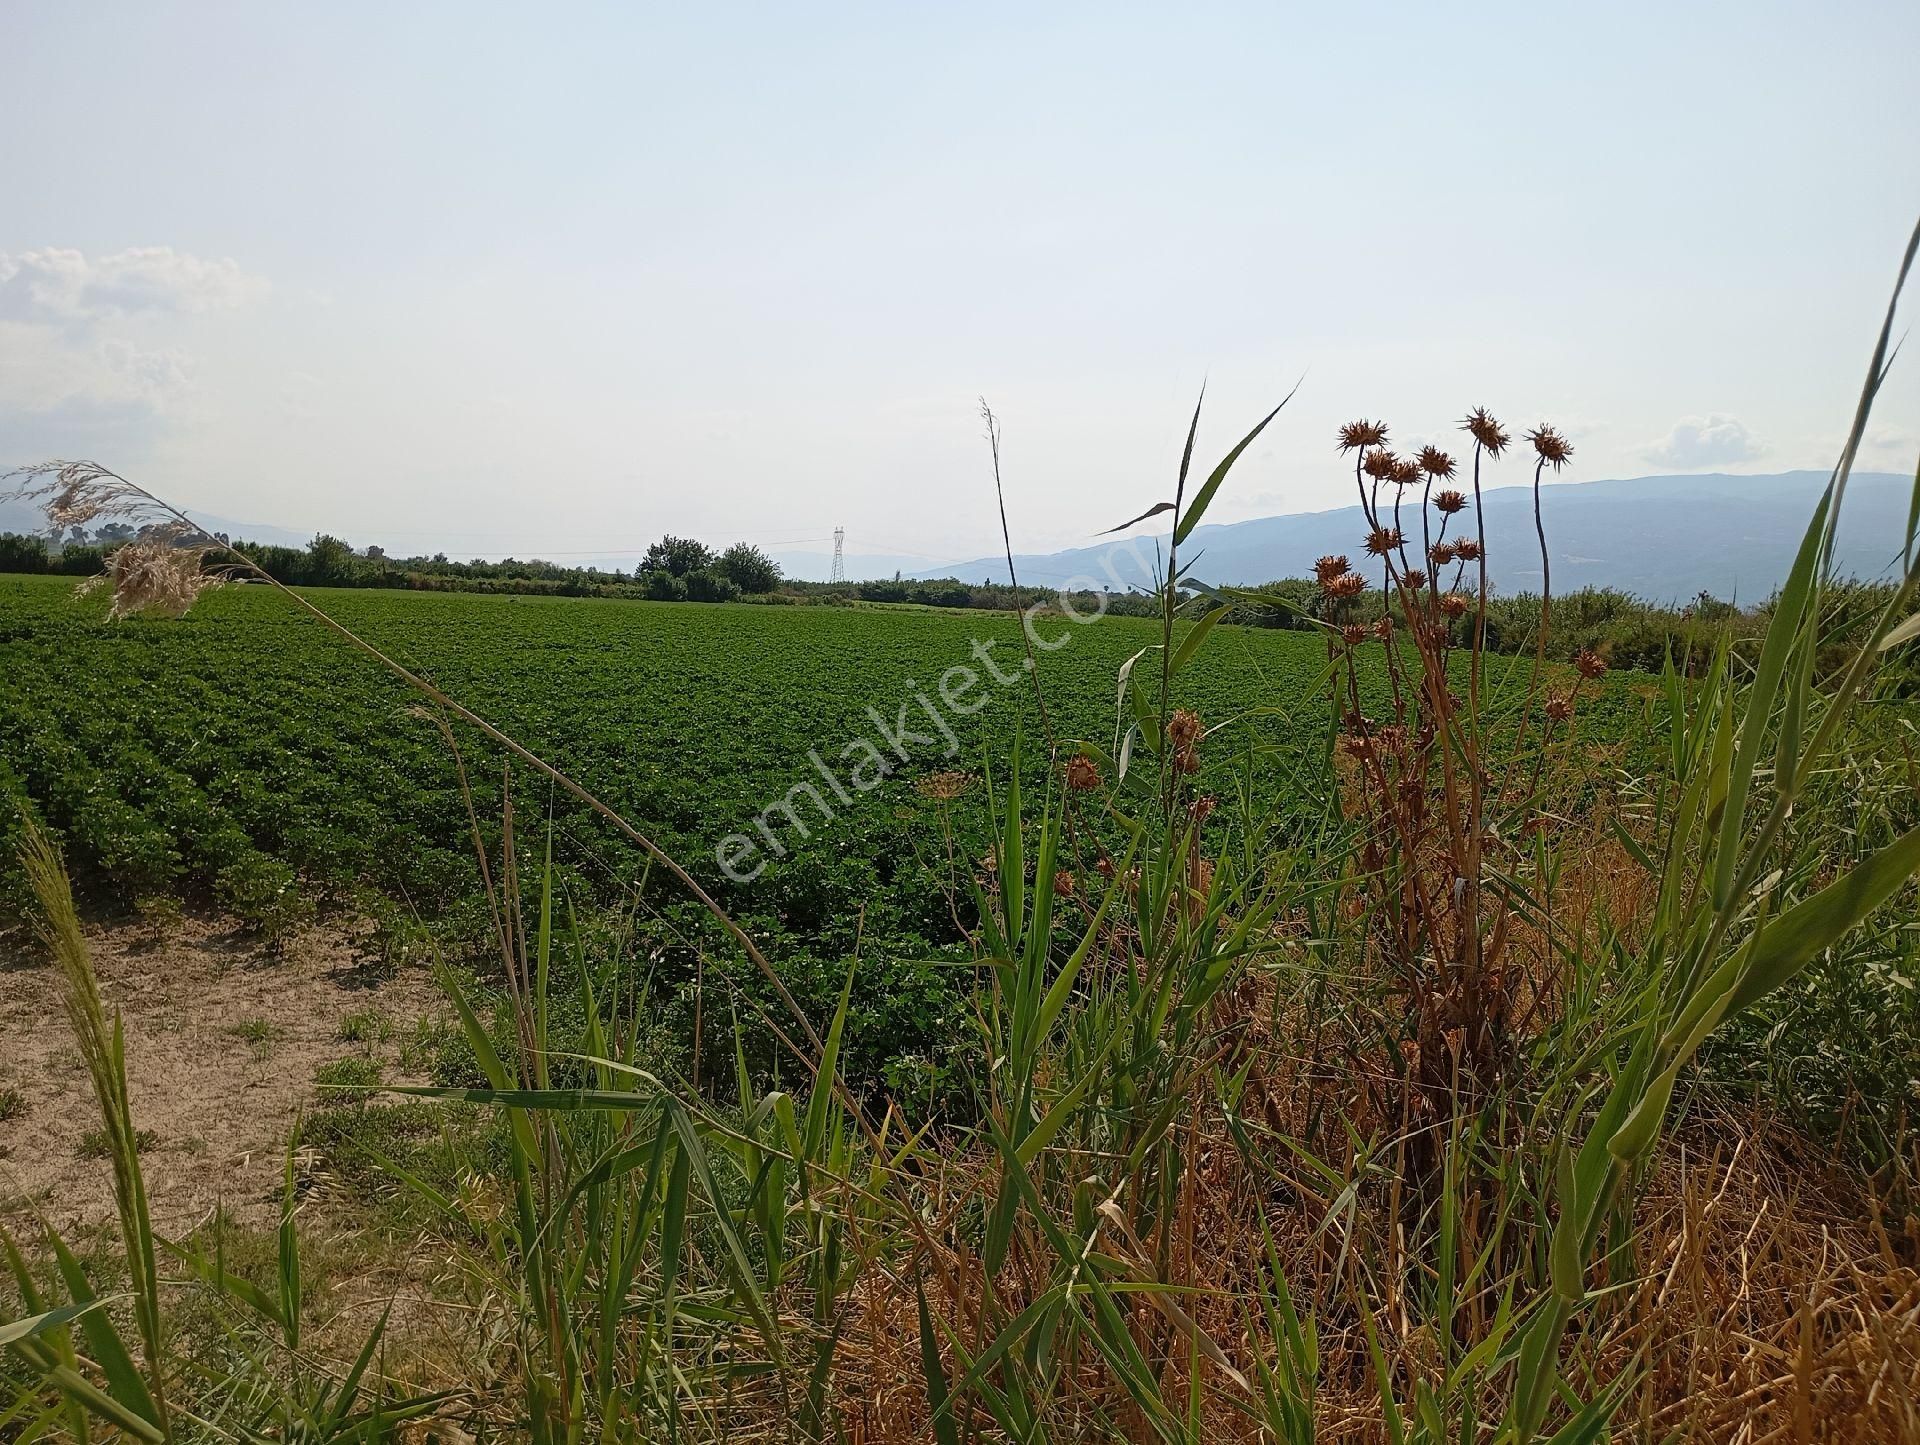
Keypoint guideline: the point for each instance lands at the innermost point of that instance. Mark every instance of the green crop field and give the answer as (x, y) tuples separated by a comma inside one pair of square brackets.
[(246, 757)]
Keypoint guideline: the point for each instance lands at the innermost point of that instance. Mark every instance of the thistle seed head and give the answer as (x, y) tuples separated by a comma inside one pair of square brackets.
[(1345, 587), (942, 787), (1083, 774), (1357, 434), (1487, 433), (1552, 448), (1383, 540)]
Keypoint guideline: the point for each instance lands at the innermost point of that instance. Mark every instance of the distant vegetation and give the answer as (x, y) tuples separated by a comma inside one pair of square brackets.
[(1626, 630)]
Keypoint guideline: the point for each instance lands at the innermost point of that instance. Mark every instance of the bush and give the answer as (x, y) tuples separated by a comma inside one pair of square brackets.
[(665, 587), (709, 587)]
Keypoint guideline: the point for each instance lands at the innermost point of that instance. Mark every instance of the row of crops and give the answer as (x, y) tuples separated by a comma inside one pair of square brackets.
[(244, 757)]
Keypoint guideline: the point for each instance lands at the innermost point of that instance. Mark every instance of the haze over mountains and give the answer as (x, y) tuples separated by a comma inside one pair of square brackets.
[(1663, 538)]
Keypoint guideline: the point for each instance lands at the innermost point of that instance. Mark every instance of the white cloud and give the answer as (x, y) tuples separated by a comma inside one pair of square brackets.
[(58, 283), (1710, 441)]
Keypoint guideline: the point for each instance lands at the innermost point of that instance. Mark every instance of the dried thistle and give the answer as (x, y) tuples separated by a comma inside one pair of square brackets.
[(1435, 463), (1443, 553), (1467, 549), (1560, 707), (1186, 759), (1357, 434), (1327, 568), (1183, 728), (1382, 541), (1454, 605), (1083, 774), (1553, 449), (1590, 664), (1487, 433), (1353, 634), (1064, 883), (1406, 471), (1345, 587), (1450, 501), (943, 787), (1379, 465), (1415, 579)]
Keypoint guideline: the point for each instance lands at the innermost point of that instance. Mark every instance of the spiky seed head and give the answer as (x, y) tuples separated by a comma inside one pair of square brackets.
[(943, 787), (1186, 759), (1357, 434), (1103, 866), (1083, 774), (1487, 433), (1064, 883), (1589, 663), (1345, 587), (1353, 634), (1203, 808), (1443, 553), (1450, 501), (1435, 463), (1552, 448), (1330, 567), (1183, 728), (1382, 540), (1406, 471), (1416, 578), (1453, 605), (1379, 465), (1560, 707), (1467, 549), (1383, 629)]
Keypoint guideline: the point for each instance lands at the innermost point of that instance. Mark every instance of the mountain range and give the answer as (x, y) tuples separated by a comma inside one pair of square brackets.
[(1662, 538)]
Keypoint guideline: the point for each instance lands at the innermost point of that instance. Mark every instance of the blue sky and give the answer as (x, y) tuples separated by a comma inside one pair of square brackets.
[(558, 279)]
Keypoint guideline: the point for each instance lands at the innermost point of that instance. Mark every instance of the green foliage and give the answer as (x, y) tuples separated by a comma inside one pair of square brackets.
[(748, 568), (677, 555), (148, 746)]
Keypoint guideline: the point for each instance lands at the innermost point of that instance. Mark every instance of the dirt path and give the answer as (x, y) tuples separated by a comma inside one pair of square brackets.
[(223, 1039)]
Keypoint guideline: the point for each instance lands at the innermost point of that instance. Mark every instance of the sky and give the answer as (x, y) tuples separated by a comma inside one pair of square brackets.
[(555, 280)]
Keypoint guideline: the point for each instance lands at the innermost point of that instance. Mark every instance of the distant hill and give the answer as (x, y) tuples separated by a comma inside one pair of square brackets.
[(1663, 538), (19, 516)]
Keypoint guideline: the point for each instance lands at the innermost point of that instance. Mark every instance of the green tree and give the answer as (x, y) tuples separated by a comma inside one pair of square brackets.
[(677, 555), (748, 568), (329, 561)]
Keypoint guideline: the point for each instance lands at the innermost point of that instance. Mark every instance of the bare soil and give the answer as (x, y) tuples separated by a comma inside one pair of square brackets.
[(223, 1036)]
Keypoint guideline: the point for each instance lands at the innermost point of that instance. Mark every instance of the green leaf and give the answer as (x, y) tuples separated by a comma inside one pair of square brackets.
[(1197, 634), (1197, 508), (17, 1330)]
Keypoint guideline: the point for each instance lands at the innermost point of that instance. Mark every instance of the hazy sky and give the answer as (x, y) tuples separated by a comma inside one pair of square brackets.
[(552, 279)]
